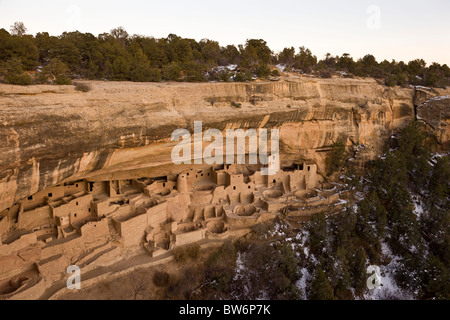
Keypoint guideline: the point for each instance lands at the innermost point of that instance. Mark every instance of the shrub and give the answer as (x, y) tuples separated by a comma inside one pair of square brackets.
[(41, 78), (14, 74), (146, 74), (402, 79), (243, 76), (275, 73), (120, 69), (194, 71), (260, 229), (181, 254), (193, 251), (236, 104), (262, 71), (224, 75), (225, 255), (62, 80), (325, 74), (391, 81), (83, 87), (57, 70), (161, 279), (171, 72), (23, 79)]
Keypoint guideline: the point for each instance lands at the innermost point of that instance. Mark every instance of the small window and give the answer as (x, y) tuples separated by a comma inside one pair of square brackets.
[(89, 209), (76, 185), (249, 187), (164, 185), (208, 174), (187, 174), (50, 195), (75, 215), (274, 181), (76, 203), (30, 198), (309, 168), (301, 167), (174, 187), (234, 188)]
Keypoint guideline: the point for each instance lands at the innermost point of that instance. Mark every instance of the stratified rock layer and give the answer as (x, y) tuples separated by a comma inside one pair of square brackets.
[(50, 134)]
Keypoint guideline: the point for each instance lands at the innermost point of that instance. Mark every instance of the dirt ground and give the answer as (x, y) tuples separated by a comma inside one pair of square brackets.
[(138, 285)]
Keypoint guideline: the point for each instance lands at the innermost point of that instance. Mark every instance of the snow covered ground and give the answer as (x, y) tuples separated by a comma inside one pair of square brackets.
[(389, 290)]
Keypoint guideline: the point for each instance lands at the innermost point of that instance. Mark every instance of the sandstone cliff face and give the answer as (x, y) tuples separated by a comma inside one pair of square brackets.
[(435, 114), (51, 134)]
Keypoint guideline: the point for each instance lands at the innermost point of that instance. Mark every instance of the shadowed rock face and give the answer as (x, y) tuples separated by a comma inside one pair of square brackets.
[(51, 134), (435, 113)]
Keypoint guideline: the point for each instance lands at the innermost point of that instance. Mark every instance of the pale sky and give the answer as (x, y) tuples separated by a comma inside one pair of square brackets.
[(388, 29)]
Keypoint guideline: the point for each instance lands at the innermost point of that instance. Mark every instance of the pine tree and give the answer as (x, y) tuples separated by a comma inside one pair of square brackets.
[(13, 72), (121, 69), (318, 233), (436, 279), (358, 267), (171, 72), (141, 70), (57, 71), (320, 287)]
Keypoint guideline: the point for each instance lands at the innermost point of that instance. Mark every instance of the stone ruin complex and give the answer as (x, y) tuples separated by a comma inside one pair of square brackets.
[(85, 220)]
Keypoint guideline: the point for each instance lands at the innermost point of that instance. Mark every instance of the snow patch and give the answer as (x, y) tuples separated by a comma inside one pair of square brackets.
[(281, 67), (303, 281), (389, 289)]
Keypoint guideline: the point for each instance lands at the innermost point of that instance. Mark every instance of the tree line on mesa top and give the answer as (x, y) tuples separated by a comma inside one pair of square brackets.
[(26, 59)]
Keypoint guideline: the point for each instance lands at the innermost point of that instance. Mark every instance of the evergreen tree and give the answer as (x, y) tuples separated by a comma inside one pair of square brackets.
[(318, 233), (141, 70), (288, 263), (57, 71), (320, 287), (287, 57), (358, 268), (121, 69), (172, 72), (345, 63), (436, 279), (305, 60), (14, 74), (336, 159)]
